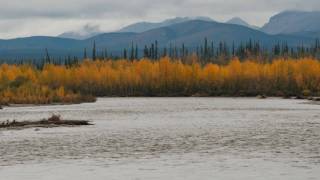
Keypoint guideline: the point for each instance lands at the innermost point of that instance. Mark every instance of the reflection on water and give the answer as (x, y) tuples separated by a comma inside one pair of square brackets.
[(167, 138)]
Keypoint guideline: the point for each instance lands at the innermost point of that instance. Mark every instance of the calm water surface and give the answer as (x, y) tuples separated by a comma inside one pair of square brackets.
[(167, 138)]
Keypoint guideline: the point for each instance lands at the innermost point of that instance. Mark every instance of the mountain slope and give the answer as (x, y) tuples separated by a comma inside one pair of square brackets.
[(293, 22), (145, 26)]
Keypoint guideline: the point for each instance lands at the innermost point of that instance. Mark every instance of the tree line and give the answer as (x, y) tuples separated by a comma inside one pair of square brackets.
[(166, 76), (207, 52)]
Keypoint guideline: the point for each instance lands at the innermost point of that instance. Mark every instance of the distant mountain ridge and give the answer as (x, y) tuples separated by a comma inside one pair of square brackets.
[(241, 22), (191, 33), (294, 22), (89, 31), (145, 26)]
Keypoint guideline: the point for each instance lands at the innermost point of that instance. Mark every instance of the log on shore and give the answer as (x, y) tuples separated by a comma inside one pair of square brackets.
[(54, 121)]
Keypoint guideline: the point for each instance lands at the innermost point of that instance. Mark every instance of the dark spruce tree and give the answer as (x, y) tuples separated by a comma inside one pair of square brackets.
[(85, 53), (125, 54), (132, 52), (136, 55), (48, 60), (156, 50), (146, 52), (94, 51)]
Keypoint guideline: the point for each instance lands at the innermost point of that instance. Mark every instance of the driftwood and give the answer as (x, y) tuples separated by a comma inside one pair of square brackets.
[(54, 121), (315, 99), (262, 96)]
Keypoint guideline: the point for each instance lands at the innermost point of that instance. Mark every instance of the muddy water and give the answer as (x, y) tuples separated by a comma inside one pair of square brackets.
[(167, 138)]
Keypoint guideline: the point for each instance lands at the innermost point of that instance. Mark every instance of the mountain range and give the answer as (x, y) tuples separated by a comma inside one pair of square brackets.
[(177, 31), (89, 31)]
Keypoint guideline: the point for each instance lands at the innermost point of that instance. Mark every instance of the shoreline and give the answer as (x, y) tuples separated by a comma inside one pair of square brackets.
[(36, 105), (311, 100)]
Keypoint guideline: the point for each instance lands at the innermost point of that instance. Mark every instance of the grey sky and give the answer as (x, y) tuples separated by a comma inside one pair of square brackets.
[(52, 17)]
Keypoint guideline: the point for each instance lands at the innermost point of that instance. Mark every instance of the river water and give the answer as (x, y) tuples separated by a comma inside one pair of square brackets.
[(167, 138)]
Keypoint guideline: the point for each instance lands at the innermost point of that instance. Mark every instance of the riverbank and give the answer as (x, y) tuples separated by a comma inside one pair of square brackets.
[(312, 100)]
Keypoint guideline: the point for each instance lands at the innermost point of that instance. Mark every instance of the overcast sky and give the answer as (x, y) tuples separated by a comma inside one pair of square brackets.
[(20, 18)]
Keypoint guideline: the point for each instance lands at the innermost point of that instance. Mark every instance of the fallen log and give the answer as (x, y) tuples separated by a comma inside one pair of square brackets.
[(262, 96), (53, 121)]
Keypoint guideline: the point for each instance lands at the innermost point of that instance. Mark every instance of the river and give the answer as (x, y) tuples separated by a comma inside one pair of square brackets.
[(166, 138)]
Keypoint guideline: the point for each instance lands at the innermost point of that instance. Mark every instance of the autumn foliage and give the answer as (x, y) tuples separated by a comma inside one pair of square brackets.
[(166, 77)]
